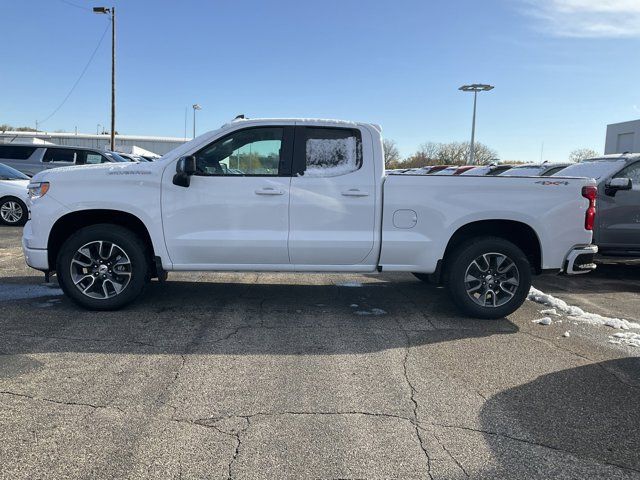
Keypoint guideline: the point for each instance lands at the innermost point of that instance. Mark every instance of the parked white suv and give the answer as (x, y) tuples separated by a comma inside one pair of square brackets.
[(31, 159), (13, 196), (302, 196)]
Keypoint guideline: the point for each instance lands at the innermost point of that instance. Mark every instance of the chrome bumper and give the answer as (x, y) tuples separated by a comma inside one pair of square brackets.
[(580, 260)]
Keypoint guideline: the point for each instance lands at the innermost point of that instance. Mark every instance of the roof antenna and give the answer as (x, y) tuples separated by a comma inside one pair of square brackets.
[(239, 117)]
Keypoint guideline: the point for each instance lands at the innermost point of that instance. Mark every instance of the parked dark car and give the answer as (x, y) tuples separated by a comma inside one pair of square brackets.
[(617, 222)]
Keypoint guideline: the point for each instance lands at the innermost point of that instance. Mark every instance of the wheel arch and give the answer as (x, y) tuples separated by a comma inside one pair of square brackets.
[(518, 233), (68, 224)]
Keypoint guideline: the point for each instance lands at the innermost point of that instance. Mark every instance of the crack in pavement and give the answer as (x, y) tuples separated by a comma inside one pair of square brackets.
[(412, 392), (455, 460), (533, 443), (60, 402), (81, 339), (213, 422)]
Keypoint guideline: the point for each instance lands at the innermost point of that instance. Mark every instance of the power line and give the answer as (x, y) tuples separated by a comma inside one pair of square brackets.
[(84, 70), (75, 5)]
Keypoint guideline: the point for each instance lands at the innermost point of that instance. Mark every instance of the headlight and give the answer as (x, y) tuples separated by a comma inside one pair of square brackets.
[(38, 189)]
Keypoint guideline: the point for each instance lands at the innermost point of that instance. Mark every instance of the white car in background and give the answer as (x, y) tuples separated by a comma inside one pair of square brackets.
[(535, 170), (13, 196)]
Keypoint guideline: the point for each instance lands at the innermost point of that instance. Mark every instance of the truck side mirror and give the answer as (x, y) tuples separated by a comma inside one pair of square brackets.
[(616, 184), (185, 168)]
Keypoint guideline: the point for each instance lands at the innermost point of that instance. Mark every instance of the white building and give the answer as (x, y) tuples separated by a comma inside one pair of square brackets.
[(623, 137), (124, 143)]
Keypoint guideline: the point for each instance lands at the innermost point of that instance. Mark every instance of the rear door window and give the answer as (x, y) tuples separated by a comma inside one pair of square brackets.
[(330, 152), (15, 152), (59, 155)]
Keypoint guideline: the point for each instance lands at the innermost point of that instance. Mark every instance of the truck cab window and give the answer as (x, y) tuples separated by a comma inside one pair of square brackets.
[(254, 151), (331, 152)]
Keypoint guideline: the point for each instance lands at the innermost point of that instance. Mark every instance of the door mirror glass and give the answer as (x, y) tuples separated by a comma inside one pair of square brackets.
[(186, 165), (185, 168), (616, 184)]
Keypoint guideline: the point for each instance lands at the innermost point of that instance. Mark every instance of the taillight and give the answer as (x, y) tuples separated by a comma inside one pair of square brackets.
[(590, 193)]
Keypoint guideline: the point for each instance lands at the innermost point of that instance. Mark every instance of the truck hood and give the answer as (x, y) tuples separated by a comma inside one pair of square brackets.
[(103, 171)]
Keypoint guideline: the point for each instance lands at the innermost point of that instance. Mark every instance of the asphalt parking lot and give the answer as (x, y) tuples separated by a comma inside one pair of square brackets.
[(313, 376)]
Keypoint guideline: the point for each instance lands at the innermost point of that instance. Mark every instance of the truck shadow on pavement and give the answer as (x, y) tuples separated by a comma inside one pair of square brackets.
[(582, 421), (240, 318)]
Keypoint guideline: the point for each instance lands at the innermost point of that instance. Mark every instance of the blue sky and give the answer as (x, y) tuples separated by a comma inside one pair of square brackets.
[(563, 69)]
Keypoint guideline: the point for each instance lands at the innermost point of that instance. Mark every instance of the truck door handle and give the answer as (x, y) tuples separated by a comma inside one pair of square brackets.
[(355, 192), (269, 191)]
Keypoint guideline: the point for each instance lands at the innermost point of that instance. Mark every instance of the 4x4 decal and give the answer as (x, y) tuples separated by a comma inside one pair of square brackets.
[(551, 182)]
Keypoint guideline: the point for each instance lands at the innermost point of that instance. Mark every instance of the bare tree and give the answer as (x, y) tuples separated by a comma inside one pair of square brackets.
[(452, 153), (582, 154), (391, 154), (427, 154)]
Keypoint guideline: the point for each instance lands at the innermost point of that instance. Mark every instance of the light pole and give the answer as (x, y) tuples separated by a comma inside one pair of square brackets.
[(195, 107), (111, 11), (475, 88), (98, 129)]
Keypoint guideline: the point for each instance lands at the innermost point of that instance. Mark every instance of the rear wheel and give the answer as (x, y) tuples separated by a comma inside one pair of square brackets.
[(13, 211), (103, 267), (488, 277)]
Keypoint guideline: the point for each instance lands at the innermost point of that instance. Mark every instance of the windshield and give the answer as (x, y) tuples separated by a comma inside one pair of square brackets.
[(592, 169), (478, 170), (115, 157), (446, 171), (528, 171), (8, 173)]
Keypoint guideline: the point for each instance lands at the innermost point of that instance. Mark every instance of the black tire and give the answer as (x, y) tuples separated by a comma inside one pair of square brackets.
[(460, 268), (127, 243), (5, 202)]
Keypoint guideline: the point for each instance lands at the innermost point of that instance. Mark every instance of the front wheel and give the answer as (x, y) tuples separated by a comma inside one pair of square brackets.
[(13, 212), (103, 267), (488, 277)]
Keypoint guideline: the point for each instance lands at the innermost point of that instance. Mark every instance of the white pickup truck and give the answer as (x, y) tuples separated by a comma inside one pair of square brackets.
[(302, 196)]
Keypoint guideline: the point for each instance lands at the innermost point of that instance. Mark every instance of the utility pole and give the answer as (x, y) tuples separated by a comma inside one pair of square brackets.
[(112, 12), (475, 88), (195, 107)]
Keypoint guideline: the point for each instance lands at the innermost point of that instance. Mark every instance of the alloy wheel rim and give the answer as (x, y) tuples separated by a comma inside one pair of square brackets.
[(11, 212), (492, 279), (101, 269)]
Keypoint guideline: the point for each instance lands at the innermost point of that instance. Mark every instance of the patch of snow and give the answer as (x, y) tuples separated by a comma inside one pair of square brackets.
[(543, 321), (373, 311), (331, 157), (354, 305), (550, 311), (577, 314), (349, 284), (10, 292), (626, 338), (566, 334)]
